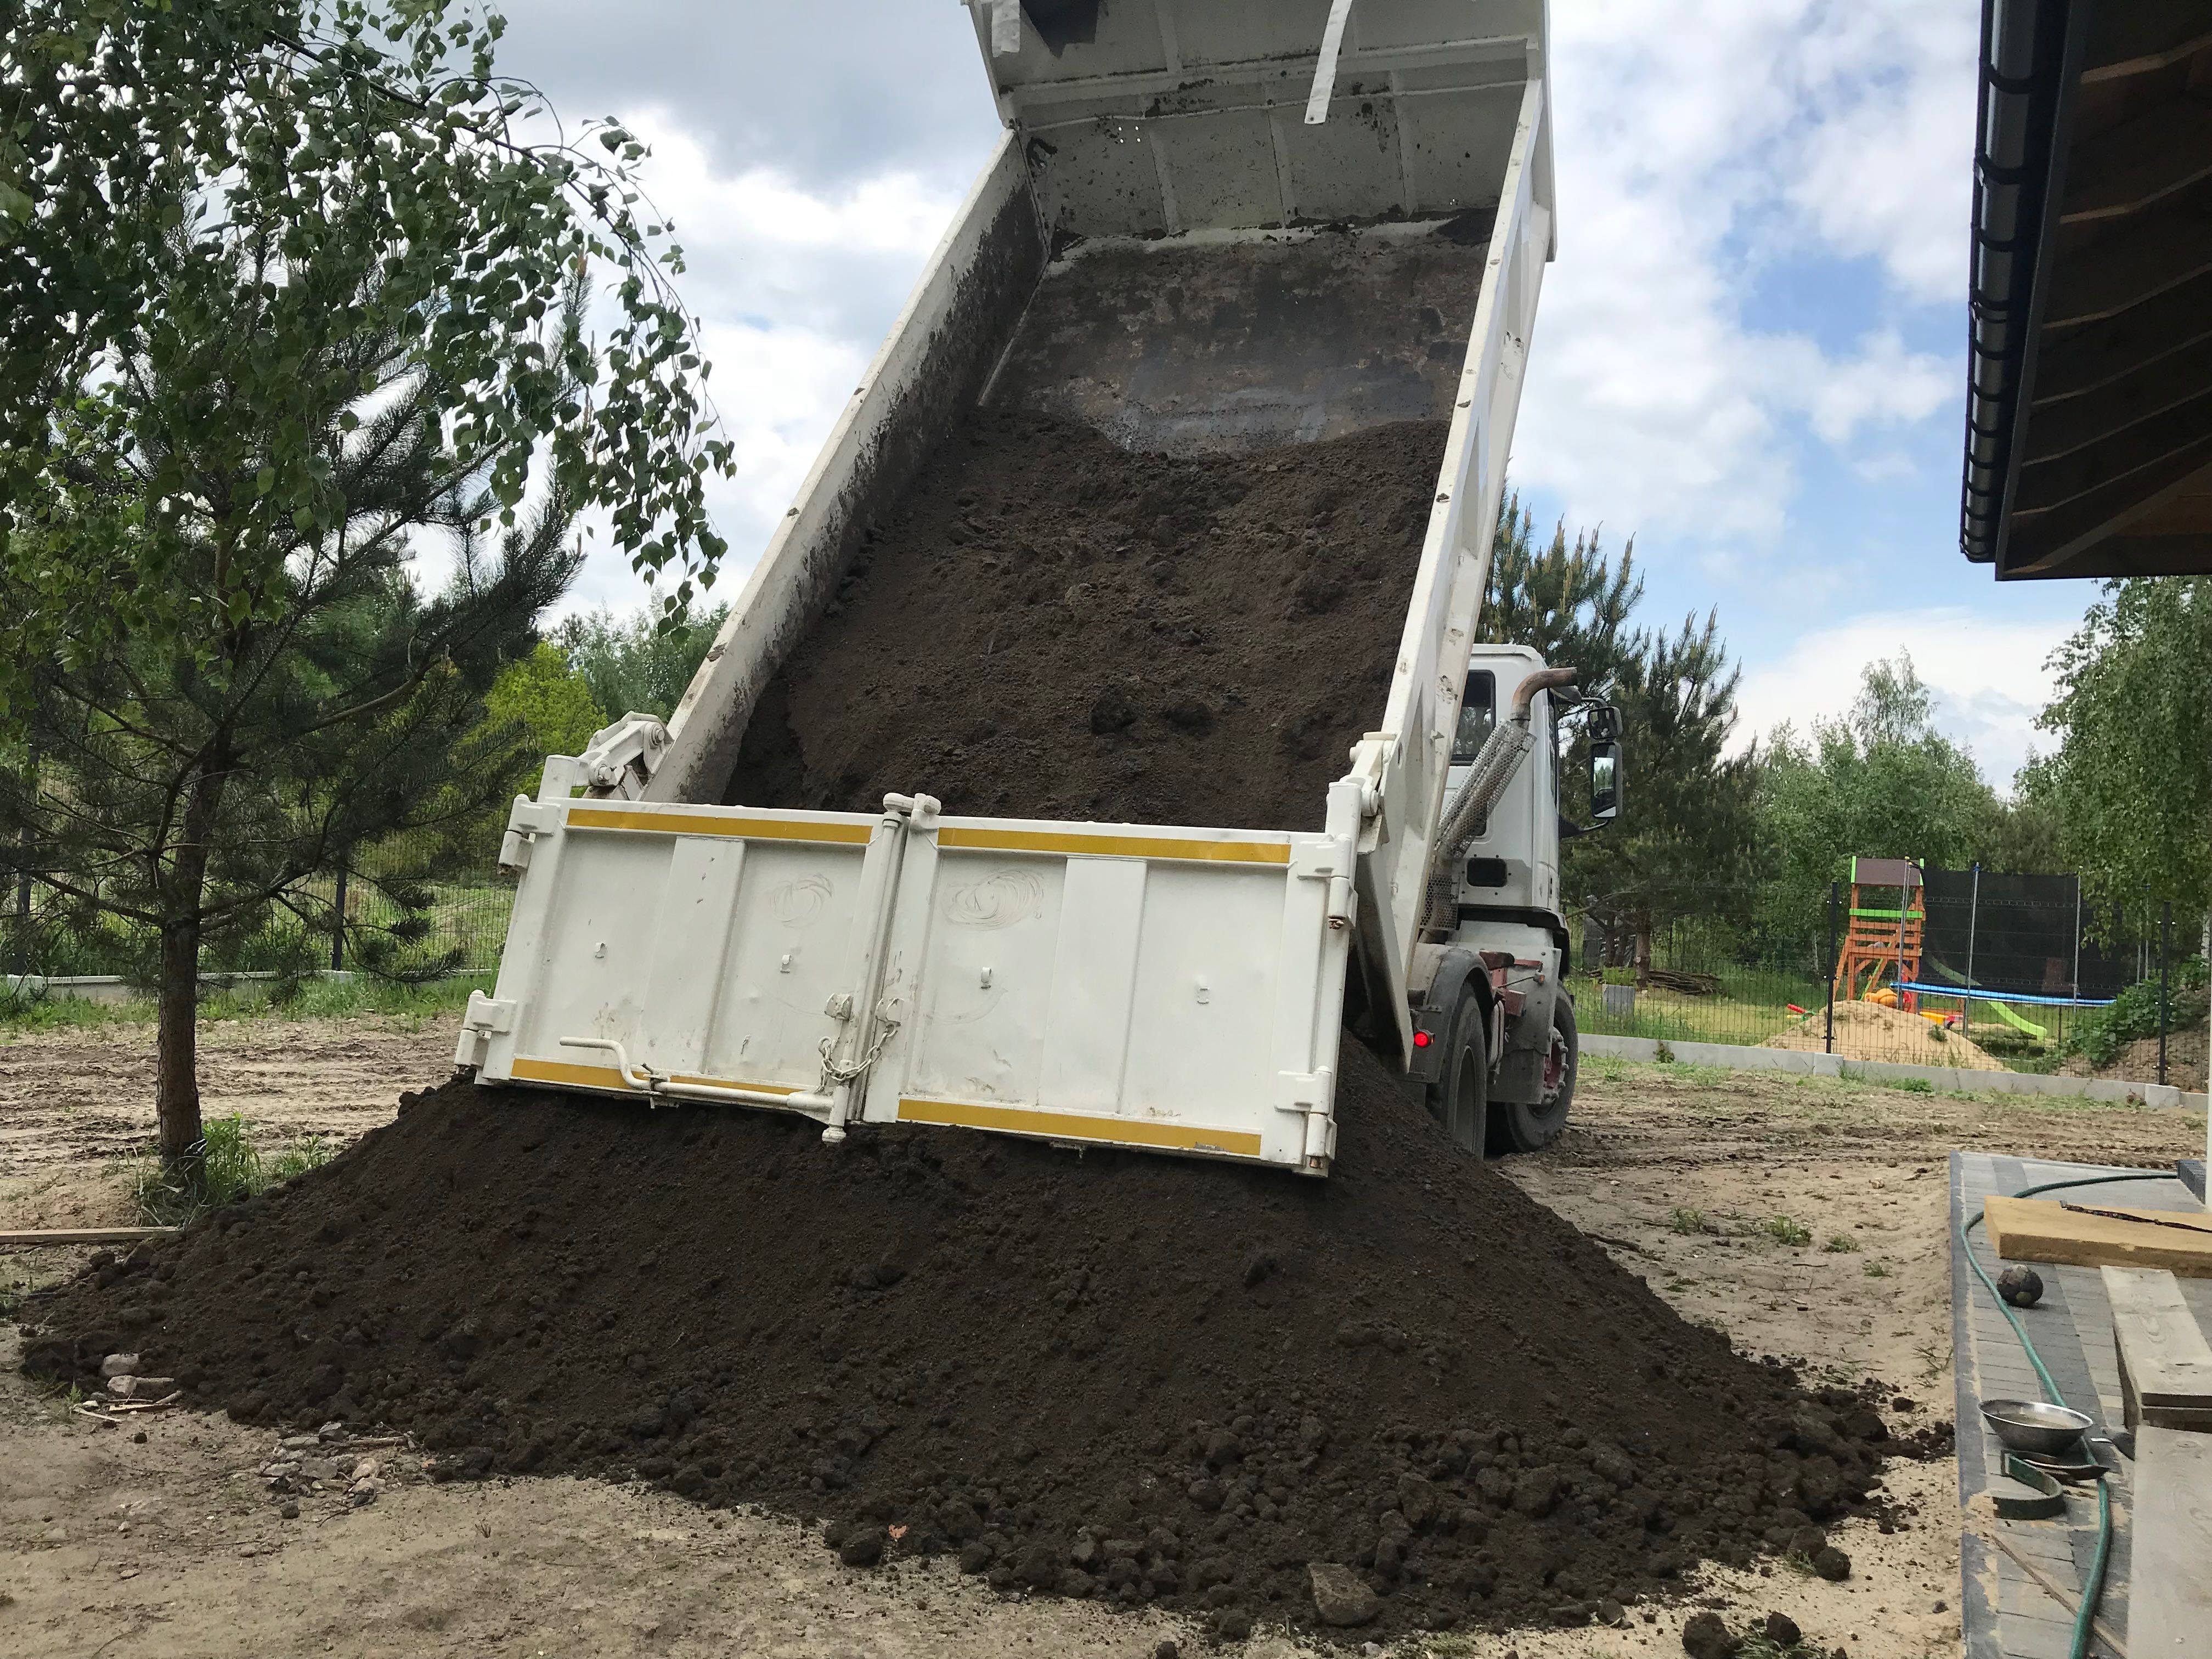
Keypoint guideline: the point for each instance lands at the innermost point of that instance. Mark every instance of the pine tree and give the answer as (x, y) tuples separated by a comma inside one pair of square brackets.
[(196, 777), (1571, 603)]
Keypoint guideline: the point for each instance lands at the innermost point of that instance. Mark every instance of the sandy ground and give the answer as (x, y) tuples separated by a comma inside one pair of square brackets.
[(171, 1547)]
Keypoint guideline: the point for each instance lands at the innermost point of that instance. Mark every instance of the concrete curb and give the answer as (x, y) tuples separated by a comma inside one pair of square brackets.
[(111, 988), (2163, 1098)]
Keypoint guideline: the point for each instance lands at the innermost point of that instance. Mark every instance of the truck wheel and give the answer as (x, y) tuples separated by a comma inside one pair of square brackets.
[(1460, 1099), (1522, 1128)]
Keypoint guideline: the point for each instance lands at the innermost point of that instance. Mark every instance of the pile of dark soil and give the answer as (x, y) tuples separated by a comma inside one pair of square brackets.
[(1123, 1377), (1055, 627)]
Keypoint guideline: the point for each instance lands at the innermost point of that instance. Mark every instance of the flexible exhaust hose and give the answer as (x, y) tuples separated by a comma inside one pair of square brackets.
[(1478, 793)]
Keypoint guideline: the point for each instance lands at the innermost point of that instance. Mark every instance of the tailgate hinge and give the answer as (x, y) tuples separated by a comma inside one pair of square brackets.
[(487, 1017), (1311, 1095)]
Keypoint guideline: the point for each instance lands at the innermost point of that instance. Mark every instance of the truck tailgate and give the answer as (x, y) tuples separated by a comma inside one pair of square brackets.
[(1169, 989)]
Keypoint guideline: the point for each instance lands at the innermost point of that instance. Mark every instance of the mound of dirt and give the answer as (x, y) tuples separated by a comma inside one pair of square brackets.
[(1055, 627), (1868, 1031), (1135, 1378)]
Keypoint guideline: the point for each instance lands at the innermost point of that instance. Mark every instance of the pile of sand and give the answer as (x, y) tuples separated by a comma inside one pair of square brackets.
[(1866, 1030)]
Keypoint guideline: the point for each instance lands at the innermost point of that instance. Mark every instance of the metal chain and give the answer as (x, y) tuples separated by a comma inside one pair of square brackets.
[(833, 1073)]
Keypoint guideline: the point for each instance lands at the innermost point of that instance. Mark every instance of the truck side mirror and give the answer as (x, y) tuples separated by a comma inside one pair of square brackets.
[(1605, 781)]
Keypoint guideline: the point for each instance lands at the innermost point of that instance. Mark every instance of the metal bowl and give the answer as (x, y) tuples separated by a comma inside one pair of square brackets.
[(2029, 1425)]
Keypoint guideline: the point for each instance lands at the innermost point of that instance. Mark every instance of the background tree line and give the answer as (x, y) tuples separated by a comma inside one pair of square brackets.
[(1746, 836)]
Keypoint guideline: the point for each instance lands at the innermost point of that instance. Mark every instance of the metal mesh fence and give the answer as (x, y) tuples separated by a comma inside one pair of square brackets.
[(1959, 969), (454, 920)]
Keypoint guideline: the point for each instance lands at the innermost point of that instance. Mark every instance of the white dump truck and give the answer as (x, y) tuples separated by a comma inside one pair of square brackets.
[(1210, 225)]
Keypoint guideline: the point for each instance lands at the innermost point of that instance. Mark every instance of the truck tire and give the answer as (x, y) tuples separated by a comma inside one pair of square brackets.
[(1515, 1128), (1459, 1098)]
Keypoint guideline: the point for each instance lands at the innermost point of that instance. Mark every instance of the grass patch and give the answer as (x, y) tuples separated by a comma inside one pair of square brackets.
[(1607, 1068), (1687, 1220), (232, 1168), (1840, 1244), (1875, 1269), (1786, 1229), (312, 998)]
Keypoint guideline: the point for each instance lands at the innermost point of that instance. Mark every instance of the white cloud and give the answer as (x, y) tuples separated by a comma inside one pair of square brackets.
[(1886, 171), (1990, 678), (1699, 146), (794, 286)]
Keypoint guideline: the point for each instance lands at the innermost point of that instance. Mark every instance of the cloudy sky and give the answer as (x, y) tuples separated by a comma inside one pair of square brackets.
[(1748, 353)]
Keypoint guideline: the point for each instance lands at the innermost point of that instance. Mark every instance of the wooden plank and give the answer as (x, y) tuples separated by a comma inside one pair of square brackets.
[(2169, 1589), (44, 1237), (2040, 1230), (2166, 1365)]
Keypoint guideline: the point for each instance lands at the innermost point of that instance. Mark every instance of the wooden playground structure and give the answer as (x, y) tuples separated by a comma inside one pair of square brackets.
[(1881, 938)]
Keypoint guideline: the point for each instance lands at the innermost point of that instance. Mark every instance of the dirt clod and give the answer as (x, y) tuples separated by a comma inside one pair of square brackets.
[(1705, 1636), (1832, 1565)]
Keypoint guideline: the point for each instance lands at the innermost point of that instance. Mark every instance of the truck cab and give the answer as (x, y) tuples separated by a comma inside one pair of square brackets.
[(1494, 1030)]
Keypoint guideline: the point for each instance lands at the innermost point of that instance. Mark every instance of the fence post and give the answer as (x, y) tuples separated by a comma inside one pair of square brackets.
[(2165, 951), (1829, 1046), (1973, 925), (337, 925)]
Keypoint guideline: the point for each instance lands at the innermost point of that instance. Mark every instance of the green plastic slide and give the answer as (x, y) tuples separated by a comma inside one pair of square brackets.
[(2027, 1026)]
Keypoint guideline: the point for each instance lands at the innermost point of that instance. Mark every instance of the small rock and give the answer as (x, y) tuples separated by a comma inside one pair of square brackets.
[(1610, 1611), (863, 1547), (1705, 1637), (1167, 1650), (120, 1364), (1782, 1631), (319, 1469), (1808, 1541), (247, 1552), (1341, 1597), (299, 1443), (1232, 1624), (333, 1430), (129, 1386), (139, 1438), (1832, 1565), (1113, 712), (290, 1511), (362, 1493), (367, 1469)]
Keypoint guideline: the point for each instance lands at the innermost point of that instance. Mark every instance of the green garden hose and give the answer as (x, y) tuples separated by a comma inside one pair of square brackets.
[(2094, 1588)]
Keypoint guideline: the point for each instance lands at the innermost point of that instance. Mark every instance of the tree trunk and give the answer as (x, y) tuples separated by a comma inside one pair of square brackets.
[(1643, 952), (176, 1046), (177, 1086)]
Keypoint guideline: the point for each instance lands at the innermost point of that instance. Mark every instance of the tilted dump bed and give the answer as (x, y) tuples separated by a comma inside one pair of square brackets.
[(1167, 246)]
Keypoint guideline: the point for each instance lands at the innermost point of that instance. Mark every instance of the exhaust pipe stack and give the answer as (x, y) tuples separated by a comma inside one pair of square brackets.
[(1479, 791)]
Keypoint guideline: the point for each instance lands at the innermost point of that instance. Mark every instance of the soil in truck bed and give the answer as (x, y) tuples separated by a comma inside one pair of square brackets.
[(1055, 627), (1133, 1378)]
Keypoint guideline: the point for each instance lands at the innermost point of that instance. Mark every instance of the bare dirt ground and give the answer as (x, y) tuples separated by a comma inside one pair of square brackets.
[(1695, 1178)]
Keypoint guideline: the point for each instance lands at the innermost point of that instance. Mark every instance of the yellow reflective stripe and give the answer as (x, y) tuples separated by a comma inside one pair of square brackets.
[(1119, 847), (1063, 1126), (606, 1077), (582, 1077), (701, 823)]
